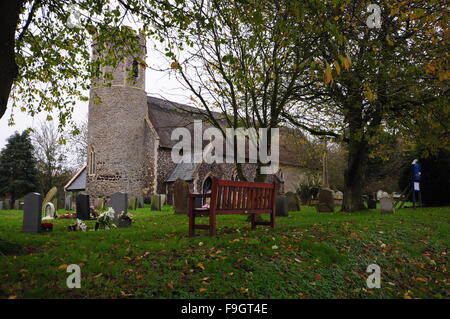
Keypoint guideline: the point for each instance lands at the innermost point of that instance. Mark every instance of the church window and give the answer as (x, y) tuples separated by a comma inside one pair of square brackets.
[(92, 162)]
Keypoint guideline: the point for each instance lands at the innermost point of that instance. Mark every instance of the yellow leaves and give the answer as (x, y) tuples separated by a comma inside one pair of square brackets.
[(142, 62), (344, 61), (368, 93), (49, 118), (443, 75), (63, 266), (337, 67), (202, 289), (421, 279), (389, 40), (12, 297), (328, 76), (174, 65), (201, 266)]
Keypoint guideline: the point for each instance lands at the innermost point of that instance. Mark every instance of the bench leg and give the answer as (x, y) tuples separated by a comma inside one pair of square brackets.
[(253, 221), (272, 219), (212, 224), (191, 218)]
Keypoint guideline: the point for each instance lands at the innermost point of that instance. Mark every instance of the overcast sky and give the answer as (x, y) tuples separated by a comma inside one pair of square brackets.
[(158, 83)]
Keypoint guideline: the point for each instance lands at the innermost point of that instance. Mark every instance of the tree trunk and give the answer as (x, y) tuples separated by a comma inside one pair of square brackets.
[(9, 18), (354, 177)]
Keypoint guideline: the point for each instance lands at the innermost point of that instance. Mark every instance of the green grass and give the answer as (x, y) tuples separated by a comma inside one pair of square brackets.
[(308, 255)]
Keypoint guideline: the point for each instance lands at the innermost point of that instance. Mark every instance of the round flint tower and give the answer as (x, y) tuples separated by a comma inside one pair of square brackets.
[(117, 108)]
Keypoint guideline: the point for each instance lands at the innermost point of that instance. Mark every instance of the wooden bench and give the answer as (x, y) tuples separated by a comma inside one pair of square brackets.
[(234, 197)]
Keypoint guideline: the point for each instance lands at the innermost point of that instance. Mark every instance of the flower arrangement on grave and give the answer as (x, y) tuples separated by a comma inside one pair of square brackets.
[(93, 213), (47, 226), (105, 220), (68, 215), (80, 225), (126, 216), (206, 206)]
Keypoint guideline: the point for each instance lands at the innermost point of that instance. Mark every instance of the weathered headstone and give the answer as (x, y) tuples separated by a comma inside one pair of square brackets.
[(140, 202), (49, 210), (180, 191), (326, 201), (163, 199), (156, 202), (99, 203), (1, 205), (68, 203), (32, 213), (387, 206), (293, 202), (7, 204), (83, 207), (132, 203), (119, 202), (282, 206), (16, 204), (21, 203)]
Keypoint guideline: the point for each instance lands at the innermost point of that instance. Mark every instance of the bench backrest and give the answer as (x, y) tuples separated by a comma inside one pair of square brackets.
[(231, 197)]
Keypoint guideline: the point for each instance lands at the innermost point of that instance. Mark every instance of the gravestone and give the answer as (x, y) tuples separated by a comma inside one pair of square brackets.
[(140, 202), (32, 213), (68, 203), (281, 207), (293, 202), (371, 202), (16, 204), (21, 203), (7, 204), (326, 201), (387, 206), (1, 205), (132, 203), (163, 199), (49, 210), (180, 201), (83, 207), (119, 203), (99, 203), (155, 203)]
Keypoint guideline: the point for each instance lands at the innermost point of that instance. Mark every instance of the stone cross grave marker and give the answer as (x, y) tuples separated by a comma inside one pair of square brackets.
[(326, 201), (119, 202), (180, 191), (83, 208), (387, 206), (32, 213)]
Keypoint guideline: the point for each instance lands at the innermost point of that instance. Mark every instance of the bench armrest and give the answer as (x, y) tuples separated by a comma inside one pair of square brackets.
[(199, 195)]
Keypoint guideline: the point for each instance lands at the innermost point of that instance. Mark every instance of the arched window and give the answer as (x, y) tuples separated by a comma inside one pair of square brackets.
[(92, 162)]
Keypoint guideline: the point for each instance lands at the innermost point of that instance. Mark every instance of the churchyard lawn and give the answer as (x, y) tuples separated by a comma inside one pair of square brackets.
[(308, 255)]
